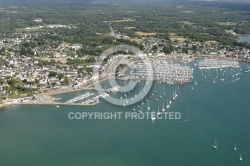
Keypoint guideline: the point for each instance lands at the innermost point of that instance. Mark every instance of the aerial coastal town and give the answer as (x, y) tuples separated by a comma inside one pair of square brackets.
[(50, 69)]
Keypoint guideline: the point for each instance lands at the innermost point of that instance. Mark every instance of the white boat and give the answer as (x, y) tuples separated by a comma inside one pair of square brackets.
[(235, 147), (168, 105), (240, 158), (57, 106), (215, 144), (170, 100), (163, 108), (176, 94), (148, 106)]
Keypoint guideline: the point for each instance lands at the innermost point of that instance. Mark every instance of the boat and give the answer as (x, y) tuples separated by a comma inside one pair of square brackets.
[(215, 144), (235, 147), (159, 112), (170, 100), (175, 94), (168, 105), (153, 117), (163, 108), (57, 106), (240, 158), (148, 106), (142, 103)]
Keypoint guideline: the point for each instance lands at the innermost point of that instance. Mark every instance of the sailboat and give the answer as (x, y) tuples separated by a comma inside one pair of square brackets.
[(163, 108), (153, 116), (173, 96), (148, 106), (240, 158), (176, 94), (168, 105), (163, 91), (235, 147), (158, 112), (215, 144), (140, 111)]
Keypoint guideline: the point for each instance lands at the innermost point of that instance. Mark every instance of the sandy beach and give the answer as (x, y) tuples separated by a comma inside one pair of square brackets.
[(2, 105)]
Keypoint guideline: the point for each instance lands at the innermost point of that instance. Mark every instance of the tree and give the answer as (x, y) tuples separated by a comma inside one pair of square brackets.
[(52, 74), (60, 76), (66, 80), (155, 48)]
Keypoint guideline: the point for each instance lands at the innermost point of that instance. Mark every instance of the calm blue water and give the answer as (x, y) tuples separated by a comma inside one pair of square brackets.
[(43, 135), (244, 38)]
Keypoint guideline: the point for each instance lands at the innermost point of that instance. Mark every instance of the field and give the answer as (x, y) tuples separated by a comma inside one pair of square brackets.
[(116, 21), (145, 33), (174, 37), (186, 22), (226, 23)]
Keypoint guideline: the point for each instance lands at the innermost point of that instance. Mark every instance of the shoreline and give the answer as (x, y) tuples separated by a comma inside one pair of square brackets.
[(49, 94), (2, 106)]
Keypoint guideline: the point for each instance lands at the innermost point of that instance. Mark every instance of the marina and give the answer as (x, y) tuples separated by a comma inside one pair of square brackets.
[(163, 71), (217, 64)]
